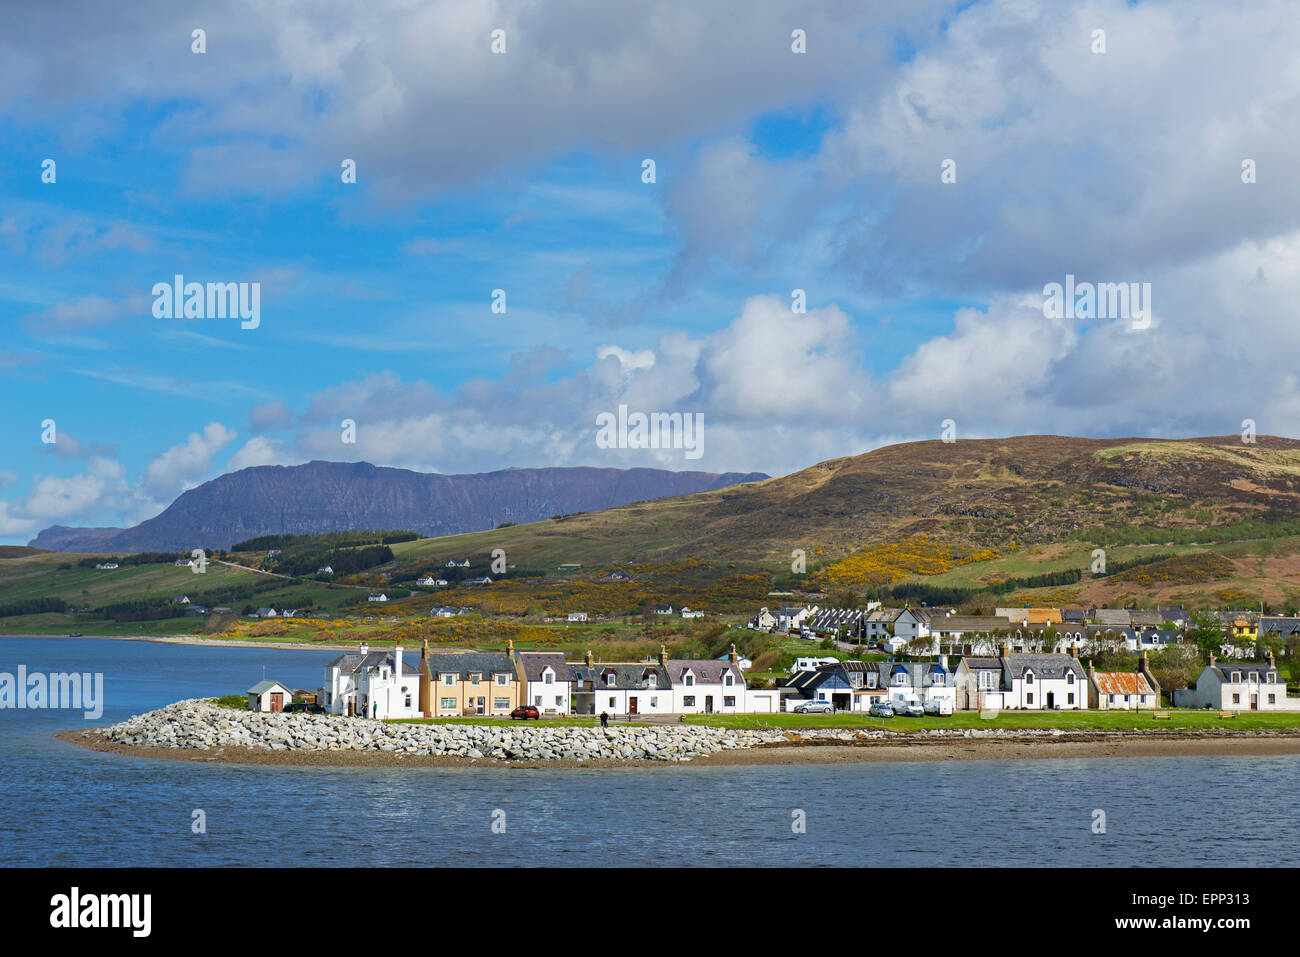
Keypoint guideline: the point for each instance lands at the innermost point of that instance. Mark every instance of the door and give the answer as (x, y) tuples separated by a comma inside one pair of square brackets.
[(631, 705), (1254, 702), (708, 704), (277, 701), (1051, 699)]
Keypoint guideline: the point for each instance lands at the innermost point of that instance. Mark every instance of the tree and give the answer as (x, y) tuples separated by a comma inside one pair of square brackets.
[(1206, 631)]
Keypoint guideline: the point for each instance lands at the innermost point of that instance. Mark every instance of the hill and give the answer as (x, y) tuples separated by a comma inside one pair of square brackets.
[(974, 493), (339, 496)]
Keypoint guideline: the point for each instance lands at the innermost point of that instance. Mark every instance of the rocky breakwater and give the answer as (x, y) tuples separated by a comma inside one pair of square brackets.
[(203, 725)]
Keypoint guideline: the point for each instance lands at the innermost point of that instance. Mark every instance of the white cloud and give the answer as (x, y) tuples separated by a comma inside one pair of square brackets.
[(186, 464)]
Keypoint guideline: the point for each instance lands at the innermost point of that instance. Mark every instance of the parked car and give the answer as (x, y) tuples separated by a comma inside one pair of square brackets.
[(814, 707), (911, 709), (881, 709), (526, 711), (939, 706)]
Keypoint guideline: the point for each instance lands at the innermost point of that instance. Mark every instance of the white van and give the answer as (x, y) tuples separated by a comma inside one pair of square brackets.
[(939, 706)]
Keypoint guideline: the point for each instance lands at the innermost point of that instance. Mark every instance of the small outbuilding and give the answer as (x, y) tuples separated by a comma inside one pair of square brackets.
[(269, 696)]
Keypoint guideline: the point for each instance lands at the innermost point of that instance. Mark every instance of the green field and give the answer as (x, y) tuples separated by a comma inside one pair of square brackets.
[(1179, 719)]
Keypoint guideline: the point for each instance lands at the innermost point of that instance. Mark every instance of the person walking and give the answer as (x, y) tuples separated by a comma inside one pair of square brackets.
[(604, 719)]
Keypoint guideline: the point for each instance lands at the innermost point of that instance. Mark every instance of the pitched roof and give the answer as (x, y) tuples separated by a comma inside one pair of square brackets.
[(1044, 666), (627, 676), (1121, 682), (535, 662), (470, 662), (706, 670), (354, 662), (266, 685), (1226, 668)]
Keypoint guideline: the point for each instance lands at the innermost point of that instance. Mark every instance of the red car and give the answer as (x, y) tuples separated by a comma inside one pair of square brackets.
[(526, 711)]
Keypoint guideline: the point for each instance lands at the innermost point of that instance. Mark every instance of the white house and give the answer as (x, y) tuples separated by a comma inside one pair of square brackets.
[(546, 680), (429, 580), (763, 621), (266, 613), (1034, 682), (577, 616), (792, 618), (704, 685), (372, 684), (1238, 686), (1123, 690), (688, 613), (621, 689), (269, 696), (107, 565), (457, 563), (442, 611), (380, 597), (325, 570)]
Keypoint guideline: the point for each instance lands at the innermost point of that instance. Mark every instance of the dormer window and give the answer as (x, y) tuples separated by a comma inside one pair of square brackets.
[(689, 680), (729, 681), (1029, 677), (652, 680), (609, 680), (1069, 677), (548, 678), (937, 678), (1236, 677)]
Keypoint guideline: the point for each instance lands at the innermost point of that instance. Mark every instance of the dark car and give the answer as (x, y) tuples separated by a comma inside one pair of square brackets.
[(526, 711), (302, 707)]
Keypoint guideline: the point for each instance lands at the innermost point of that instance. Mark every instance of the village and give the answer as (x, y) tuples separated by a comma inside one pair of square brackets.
[(889, 662)]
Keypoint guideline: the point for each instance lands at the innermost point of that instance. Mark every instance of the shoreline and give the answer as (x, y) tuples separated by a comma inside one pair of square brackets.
[(201, 641), (1085, 745)]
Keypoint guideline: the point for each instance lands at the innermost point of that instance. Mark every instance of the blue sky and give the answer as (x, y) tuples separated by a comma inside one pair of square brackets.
[(775, 171)]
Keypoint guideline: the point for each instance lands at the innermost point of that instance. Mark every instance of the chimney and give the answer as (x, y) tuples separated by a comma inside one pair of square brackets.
[(591, 662), (1271, 663), (397, 662), (735, 658), (1074, 652), (1005, 650), (510, 647), (426, 682), (1211, 659), (365, 649), (663, 656)]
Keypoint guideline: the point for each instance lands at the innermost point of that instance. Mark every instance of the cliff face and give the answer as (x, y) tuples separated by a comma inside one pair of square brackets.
[(338, 496)]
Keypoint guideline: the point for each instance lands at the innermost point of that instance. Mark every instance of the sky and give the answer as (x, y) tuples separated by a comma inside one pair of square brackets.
[(921, 171)]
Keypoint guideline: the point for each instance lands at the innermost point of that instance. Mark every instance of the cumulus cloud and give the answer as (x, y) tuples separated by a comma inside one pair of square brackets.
[(185, 464)]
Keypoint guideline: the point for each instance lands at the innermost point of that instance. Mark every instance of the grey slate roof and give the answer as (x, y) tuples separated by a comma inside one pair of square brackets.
[(470, 662), (1043, 666), (266, 685), (535, 662), (1226, 668), (627, 677), (706, 670), (355, 662)]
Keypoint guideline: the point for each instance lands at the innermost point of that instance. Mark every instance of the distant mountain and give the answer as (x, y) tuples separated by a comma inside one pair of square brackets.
[(339, 496)]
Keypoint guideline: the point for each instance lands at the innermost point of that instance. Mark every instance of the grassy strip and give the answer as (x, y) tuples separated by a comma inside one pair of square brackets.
[(1181, 719)]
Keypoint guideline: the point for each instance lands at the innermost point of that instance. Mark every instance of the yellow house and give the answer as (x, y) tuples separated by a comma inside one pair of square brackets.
[(468, 683), (1243, 630)]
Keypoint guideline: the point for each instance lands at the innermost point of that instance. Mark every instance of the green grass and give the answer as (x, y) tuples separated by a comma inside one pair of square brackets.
[(576, 722), (1064, 720)]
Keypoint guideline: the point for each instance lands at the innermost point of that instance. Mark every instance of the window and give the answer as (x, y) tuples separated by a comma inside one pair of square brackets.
[(1069, 699), (559, 701), (1236, 677), (611, 702), (1029, 677), (609, 680), (690, 681), (654, 702), (729, 681), (1069, 678), (474, 677), (500, 704), (1236, 699), (937, 678), (652, 680), (537, 700), (548, 678), (449, 678), (1272, 699), (446, 704), (501, 679), (408, 701), (729, 701), (688, 701), (1029, 698)]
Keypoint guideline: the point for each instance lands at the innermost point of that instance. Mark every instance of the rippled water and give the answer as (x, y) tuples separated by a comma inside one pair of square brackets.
[(63, 805)]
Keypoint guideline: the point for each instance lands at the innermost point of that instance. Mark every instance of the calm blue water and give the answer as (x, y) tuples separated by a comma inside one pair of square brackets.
[(62, 805)]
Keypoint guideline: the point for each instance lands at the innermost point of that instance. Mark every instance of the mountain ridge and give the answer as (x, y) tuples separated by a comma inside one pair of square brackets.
[(322, 496)]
